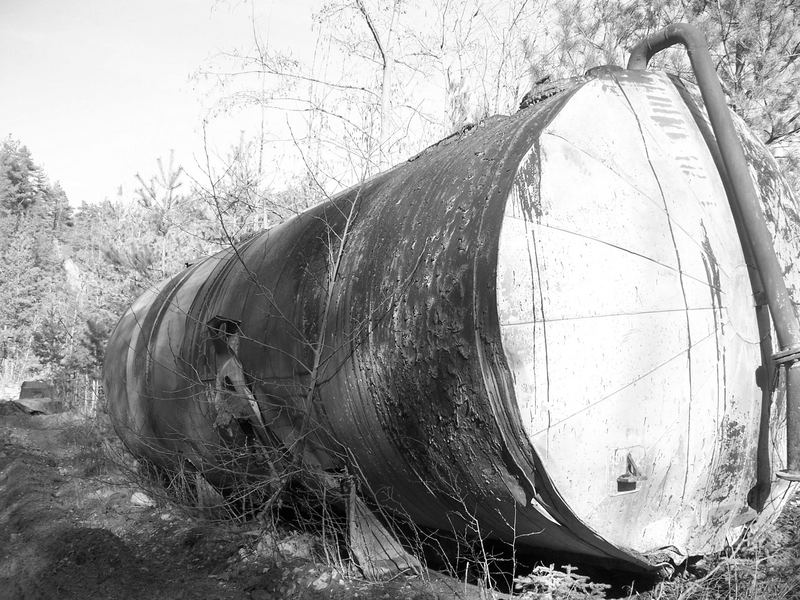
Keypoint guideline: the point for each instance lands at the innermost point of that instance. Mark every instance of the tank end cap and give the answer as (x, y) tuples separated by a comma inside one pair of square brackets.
[(788, 475)]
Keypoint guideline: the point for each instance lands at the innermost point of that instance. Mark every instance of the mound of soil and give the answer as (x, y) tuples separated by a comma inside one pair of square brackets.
[(69, 529)]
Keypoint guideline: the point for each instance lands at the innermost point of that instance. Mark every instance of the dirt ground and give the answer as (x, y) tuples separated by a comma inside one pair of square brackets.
[(72, 527), (69, 529)]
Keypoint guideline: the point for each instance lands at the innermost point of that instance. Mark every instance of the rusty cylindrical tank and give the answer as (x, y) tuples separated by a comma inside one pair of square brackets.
[(545, 321)]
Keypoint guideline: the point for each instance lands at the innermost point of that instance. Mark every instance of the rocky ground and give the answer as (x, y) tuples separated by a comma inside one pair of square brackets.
[(73, 525)]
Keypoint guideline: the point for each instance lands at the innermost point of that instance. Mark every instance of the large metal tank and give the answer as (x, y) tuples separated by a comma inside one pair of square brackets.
[(544, 323)]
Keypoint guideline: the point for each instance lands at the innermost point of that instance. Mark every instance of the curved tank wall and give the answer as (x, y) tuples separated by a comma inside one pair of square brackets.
[(544, 321)]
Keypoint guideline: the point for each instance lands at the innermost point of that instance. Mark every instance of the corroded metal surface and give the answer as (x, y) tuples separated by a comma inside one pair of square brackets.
[(419, 379)]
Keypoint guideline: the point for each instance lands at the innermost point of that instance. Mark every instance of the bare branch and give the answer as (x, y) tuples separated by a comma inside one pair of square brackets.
[(363, 10)]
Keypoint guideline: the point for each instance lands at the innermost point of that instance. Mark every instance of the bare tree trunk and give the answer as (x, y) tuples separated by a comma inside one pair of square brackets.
[(384, 49)]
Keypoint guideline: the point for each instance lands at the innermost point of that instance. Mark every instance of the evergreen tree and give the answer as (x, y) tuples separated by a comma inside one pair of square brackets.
[(35, 219)]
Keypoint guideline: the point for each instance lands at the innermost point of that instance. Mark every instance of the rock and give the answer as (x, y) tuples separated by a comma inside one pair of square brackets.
[(266, 545), (321, 582), (297, 546), (142, 499)]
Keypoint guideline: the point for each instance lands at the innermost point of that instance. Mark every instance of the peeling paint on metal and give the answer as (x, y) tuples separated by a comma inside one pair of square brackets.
[(525, 281)]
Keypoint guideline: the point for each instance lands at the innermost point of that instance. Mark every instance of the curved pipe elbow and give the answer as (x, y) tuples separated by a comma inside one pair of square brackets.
[(747, 202), (678, 33)]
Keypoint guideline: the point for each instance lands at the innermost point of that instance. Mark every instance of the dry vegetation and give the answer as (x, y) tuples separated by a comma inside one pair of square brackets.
[(73, 524)]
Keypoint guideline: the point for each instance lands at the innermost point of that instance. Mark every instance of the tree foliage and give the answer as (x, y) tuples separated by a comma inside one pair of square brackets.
[(70, 274), (389, 77), (35, 220), (755, 44)]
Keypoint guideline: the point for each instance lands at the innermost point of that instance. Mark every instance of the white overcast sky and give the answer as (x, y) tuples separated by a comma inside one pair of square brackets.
[(99, 89)]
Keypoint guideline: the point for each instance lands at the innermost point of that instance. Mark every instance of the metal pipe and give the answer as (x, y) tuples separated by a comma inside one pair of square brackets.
[(746, 201)]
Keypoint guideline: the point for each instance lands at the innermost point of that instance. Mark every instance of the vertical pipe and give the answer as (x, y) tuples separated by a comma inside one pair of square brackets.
[(757, 235)]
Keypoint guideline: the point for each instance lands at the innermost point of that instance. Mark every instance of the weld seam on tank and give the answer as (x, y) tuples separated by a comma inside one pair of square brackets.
[(746, 202)]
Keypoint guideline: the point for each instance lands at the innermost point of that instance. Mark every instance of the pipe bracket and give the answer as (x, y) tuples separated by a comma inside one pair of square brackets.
[(786, 357), (788, 475)]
